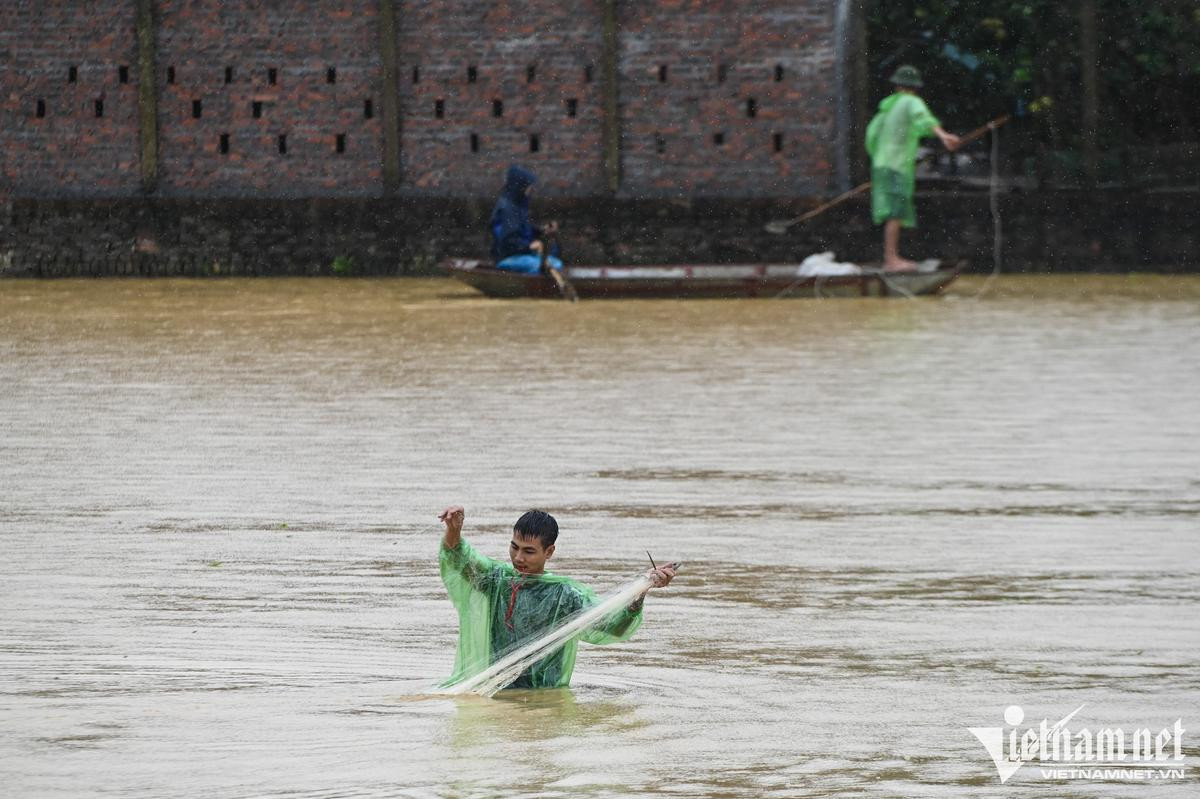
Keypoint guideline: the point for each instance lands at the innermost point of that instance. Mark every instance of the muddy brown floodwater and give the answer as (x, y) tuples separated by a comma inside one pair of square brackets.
[(218, 501)]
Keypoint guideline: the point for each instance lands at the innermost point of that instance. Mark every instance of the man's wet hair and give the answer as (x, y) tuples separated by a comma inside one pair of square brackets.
[(537, 524)]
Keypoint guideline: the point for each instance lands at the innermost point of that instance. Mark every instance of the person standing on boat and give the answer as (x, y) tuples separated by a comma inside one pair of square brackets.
[(895, 131), (516, 244)]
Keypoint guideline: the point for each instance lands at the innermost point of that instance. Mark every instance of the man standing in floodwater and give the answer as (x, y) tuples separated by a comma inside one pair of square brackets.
[(502, 605), (895, 131)]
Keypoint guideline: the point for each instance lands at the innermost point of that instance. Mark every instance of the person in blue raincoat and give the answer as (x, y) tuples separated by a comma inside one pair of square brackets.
[(516, 244)]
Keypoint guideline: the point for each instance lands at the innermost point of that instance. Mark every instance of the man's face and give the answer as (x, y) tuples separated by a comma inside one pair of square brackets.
[(528, 555)]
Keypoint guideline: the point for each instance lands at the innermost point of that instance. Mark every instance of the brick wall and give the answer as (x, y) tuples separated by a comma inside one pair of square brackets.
[(720, 100), (482, 83), (260, 74), (504, 73), (68, 99), (699, 173)]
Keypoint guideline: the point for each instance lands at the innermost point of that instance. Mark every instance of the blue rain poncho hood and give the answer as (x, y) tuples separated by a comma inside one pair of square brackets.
[(516, 181), (511, 229)]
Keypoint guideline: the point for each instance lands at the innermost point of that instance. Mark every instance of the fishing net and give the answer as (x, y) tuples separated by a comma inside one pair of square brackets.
[(510, 667), (522, 631)]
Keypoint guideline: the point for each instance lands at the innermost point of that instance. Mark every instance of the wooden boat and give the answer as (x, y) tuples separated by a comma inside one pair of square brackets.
[(702, 280)]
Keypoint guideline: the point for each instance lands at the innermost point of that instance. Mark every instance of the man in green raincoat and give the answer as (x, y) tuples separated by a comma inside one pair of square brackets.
[(892, 138), (501, 605)]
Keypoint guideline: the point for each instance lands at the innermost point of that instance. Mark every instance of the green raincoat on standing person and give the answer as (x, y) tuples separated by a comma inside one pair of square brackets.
[(500, 608), (892, 139)]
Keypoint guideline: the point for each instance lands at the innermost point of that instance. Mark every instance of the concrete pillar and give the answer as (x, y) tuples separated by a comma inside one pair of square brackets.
[(860, 91), (147, 95), (1089, 56), (390, 97), (612, 111)]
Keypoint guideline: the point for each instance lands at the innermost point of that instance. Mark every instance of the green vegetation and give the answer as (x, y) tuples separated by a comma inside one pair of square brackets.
[(982, 59), (342, 265)]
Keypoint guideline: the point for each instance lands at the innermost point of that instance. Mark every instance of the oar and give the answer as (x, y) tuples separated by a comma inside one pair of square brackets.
[(781, 225), (982, 129), (564, 286), (778, 226)]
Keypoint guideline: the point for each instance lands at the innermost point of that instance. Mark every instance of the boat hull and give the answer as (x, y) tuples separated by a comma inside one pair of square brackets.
[(714, 281)]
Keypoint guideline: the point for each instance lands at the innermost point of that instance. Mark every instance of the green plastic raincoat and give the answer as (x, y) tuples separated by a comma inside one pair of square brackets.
[(498, 609), (895, 131)]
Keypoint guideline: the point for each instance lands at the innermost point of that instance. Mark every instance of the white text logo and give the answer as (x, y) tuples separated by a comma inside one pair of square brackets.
[(1083, 753)]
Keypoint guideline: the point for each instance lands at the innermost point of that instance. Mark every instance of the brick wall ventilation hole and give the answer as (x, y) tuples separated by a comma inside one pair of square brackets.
[(331, 75), (660, 144), (229, 74), (718, 139), (123, 74), (587, 74), (778, 72), (272, 76), (497, 108), (339, 143), (170, 74), (282, 145), (472, 74), (535, 143), (751, 107), (778, 142), (72, 74), (368, 109), (224, 145), (256, 109), (197, 109), (416, 75), (722, 72), (439, 108), (572, 106), (662, 73), (530, 73), (474, 142), (41, 109), (99, 108)]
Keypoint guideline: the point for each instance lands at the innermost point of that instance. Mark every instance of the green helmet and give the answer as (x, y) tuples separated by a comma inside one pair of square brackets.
[(907, 75)]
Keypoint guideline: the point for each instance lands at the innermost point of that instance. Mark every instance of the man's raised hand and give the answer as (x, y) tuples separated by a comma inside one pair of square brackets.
[(662, 576), (452, 517)]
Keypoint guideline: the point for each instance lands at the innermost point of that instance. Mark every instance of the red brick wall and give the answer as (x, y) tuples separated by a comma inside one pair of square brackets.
[(502, 40), (668, 126), (301, 41), (69, 151)]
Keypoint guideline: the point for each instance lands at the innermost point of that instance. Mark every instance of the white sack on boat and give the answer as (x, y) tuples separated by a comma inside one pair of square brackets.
[(822, 264)]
